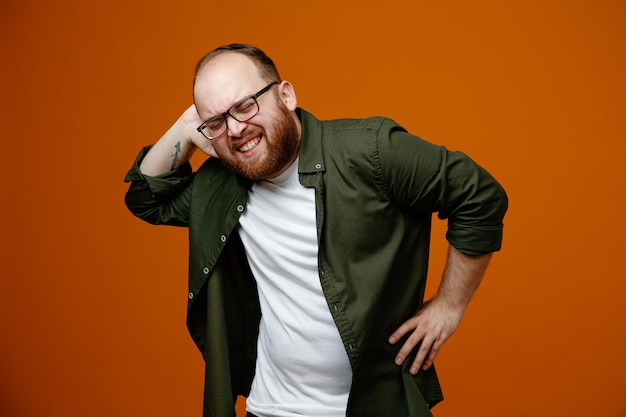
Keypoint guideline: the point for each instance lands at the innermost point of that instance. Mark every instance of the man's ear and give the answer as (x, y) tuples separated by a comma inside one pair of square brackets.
[(287, 94)]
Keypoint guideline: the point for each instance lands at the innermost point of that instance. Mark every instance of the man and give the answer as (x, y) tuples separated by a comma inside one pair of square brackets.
[(309, 246)]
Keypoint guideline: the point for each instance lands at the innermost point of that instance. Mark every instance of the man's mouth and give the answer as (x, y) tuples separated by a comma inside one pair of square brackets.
[(249, 145)]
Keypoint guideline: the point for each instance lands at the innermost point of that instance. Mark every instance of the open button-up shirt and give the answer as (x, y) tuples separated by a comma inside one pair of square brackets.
[(376, 189)]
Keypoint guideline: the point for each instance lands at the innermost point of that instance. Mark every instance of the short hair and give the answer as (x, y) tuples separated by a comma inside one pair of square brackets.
[(263, 62)]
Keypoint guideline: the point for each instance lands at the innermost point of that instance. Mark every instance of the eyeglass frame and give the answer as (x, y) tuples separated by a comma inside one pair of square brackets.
[(228, 112)]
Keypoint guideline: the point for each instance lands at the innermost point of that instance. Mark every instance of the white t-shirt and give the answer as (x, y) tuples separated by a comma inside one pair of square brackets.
[(302, 367)]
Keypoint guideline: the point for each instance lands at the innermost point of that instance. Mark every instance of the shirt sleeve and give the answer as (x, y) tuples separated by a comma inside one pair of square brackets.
[(162, 199), (427, 178)]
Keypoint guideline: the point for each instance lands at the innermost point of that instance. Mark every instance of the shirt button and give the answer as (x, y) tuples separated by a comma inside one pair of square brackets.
[(240, 208), (190, 295), (223, 238), (206, 270), (318, 166)]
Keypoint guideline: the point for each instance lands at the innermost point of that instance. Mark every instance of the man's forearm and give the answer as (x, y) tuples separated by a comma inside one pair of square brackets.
[(170, 152), (461, 278)]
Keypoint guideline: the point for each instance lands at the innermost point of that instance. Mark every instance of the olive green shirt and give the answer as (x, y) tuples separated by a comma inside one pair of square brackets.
[(376, 188)]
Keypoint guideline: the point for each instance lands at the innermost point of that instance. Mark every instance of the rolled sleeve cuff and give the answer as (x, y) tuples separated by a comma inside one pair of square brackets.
[(160, 185), (475, 241)]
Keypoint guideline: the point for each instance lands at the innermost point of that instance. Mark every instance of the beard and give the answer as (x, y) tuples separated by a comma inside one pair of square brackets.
[(280, 152)]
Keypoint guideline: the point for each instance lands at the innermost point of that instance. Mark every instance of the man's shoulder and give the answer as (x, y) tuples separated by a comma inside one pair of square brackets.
[(336, 126), (343, 134), (343, 127)]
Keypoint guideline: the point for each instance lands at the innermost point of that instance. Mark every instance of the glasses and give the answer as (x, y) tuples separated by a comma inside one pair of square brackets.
[(241, 111)]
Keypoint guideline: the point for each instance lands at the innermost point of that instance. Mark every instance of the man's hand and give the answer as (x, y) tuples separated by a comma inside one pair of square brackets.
[(432, 326), (439, 318), (190, 122)]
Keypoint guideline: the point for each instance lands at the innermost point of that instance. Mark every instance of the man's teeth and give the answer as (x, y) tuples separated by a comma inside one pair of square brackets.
[(249, 145)]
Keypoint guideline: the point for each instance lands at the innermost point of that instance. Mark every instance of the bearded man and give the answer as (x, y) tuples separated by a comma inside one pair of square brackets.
[(309, 245)]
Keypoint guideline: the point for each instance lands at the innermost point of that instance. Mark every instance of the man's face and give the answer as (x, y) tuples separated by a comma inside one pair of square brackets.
[(263, 146)]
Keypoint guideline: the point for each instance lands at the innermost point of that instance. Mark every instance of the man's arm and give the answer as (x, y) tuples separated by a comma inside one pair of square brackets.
[(440, 316), (160, 176), (177, 145)]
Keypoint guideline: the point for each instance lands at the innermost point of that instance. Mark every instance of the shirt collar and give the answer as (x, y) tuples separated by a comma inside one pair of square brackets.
[(311, 158)]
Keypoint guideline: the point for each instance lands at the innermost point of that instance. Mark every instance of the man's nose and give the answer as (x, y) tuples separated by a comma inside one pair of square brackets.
[(235, 127)]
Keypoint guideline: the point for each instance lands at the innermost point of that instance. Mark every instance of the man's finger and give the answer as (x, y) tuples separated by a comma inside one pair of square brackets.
[(422, 353), (432, 354), (406, 327), (414, 339)]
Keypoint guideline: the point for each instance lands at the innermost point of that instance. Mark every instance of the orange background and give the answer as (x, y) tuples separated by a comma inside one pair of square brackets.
[(92, 300)]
